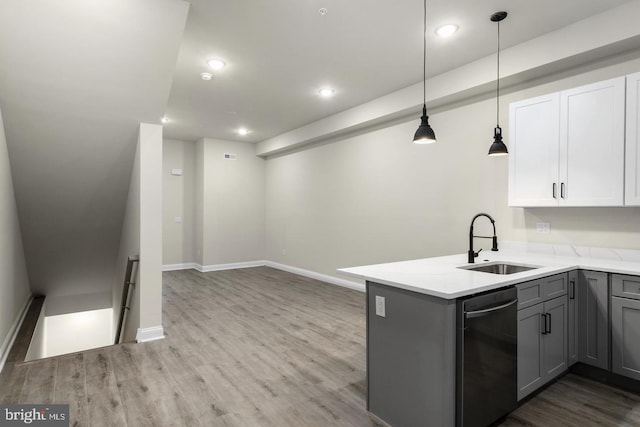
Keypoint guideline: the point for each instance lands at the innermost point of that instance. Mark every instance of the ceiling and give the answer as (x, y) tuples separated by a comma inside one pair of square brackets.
[(279, 53)]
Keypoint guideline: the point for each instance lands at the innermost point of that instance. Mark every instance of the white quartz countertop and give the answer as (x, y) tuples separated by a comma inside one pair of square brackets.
[(441, 276)]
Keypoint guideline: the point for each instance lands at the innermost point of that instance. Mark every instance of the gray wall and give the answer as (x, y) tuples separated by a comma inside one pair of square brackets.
[(129, 246), (14, 283), (221, 203), (179, 201), (233, 203)]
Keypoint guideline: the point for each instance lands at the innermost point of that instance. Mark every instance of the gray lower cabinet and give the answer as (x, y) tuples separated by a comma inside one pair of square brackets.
[(572, 319), (625, 326), (411, 357), (593, 316), (542, 344), (530, 350), (542, 331)]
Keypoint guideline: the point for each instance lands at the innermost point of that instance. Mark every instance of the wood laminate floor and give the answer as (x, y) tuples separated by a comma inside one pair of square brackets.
[(254, 347)]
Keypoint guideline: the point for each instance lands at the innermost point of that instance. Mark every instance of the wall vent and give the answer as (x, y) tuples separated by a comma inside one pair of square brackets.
[(230, 156)]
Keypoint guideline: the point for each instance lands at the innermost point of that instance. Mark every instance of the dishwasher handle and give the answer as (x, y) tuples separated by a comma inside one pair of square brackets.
[(487, 311)]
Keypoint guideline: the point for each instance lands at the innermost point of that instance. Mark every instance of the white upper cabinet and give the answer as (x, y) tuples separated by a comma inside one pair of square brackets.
[(592, 144), (632, 165), (534, 145), (567, 148)]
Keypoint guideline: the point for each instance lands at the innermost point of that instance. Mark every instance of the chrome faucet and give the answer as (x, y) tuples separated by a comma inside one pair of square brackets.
[(472, 254)]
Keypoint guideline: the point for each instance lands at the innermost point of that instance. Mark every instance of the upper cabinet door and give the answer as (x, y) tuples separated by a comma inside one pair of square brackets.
[(534, 130), (632, 156), (592, 132)]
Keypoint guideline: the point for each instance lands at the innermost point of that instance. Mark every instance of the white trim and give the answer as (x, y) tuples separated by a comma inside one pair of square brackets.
[(183, 266), (150, 334), (318, 276), (13, 333), (248, 264), (231, 266)]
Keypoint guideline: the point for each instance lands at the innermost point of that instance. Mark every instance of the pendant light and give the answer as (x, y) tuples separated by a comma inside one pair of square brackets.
[(498, 148), (424, 134)]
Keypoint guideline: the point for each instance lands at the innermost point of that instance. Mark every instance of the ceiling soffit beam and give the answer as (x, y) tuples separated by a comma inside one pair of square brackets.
[(570, 47)]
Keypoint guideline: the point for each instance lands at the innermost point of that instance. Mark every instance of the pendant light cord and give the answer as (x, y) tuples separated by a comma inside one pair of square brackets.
[(424, 57), (498, 82)]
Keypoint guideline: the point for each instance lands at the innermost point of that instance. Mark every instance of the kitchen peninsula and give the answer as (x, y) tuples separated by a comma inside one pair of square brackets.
[(412, 315)]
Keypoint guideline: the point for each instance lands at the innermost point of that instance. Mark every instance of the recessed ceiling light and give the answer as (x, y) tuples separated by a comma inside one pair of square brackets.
[(447, 30), (243, 131), (164, 120), (216, 64), (326, 92), (206, 76)]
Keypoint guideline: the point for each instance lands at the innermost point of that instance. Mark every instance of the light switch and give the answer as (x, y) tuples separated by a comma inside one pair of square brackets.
[(178, 219), (380, 306), (176, 172)]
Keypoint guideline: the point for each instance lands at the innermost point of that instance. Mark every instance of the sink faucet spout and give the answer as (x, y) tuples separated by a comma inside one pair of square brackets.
[(471, 254)]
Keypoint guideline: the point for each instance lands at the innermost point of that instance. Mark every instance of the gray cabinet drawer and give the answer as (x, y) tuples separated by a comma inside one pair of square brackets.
[(540, 290), (554, 286), (529, 293), (625, 286)]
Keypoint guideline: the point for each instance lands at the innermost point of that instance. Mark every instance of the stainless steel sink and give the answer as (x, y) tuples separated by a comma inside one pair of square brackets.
[(499, 268)]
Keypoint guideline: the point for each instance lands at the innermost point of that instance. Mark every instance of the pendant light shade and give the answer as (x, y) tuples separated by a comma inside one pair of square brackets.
[(424, 134), (498, 148)]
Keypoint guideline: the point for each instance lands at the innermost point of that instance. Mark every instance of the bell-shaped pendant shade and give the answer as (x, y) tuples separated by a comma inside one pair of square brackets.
[(424, 134), (498, 148)]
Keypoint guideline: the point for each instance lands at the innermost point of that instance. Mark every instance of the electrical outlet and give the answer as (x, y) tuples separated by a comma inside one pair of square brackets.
[(380, 306), (284, 251), (543, 228)]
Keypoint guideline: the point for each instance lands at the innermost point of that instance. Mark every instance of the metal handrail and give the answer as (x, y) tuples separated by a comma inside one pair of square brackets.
[(125, 294)]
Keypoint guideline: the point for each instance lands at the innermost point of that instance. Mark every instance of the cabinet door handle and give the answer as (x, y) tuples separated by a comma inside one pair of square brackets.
[(549, 323), (572, 289), (554, 192), (543, 318), (562, 190)]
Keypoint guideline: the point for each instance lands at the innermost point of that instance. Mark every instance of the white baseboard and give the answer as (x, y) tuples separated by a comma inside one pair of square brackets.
[(13, 332), (231, 266), (184, 266), (318, 276), (150, 334), (295, 270)]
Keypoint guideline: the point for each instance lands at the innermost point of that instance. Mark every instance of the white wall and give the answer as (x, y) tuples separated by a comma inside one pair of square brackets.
[(70, 332), (14, 282), (199, 203), (84, 330), (150, 267), (178, 201), (142, 235), (129, 247), (376, 197), (233, 205)]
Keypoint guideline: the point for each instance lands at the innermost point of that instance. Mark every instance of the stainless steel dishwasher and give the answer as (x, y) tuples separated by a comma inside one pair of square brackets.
[(486, 358)]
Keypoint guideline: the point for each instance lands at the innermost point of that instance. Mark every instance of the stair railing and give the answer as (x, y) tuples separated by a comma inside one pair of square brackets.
[(128, 283)]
